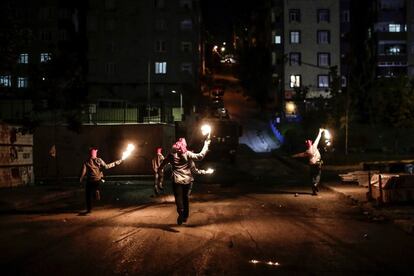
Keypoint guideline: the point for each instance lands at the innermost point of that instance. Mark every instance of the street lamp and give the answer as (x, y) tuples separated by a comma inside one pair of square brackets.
[(181, 101)]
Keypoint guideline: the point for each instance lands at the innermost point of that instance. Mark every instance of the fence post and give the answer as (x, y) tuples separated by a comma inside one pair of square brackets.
[(369, 184), (380, 200)]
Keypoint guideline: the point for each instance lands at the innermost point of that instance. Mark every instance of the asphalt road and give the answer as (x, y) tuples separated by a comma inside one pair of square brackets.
[(130, 233)]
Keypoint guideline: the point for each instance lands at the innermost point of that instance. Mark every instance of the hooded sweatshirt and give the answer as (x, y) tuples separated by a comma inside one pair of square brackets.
[(181, 164)]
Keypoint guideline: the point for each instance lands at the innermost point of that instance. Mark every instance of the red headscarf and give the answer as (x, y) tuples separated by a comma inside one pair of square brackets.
[(308, 143), (180, 146)]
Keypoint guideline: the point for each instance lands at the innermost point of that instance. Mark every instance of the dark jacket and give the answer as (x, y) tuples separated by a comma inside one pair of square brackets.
[(93, 167)]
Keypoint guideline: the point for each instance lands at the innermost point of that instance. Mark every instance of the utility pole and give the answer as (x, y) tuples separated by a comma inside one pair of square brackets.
[(149, 91)]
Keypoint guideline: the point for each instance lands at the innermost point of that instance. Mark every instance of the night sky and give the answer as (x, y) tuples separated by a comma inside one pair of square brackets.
[(219, 16)]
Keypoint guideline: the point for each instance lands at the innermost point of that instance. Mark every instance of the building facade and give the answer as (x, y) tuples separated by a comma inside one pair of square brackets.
[(393, 32), (125, 61), (144, 53), (42, 42), (307, 41)]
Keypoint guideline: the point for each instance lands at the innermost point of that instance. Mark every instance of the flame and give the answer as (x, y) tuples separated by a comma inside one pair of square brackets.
[(205, 129), (210, 171), (130, 148), (264, 262), (327, 134)]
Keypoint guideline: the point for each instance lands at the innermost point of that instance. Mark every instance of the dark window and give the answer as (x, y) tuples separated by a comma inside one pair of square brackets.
[(323, 37), (160, 46), (323, 15), (324, 59), (294, 15), (295, 59)]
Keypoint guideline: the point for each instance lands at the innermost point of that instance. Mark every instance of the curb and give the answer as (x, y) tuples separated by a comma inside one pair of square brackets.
[(46, 199), (407, 225)]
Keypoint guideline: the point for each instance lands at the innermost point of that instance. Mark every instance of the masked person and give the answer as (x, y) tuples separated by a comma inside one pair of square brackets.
[(92, 170), (181, 162), (156, 162), (315, 161)]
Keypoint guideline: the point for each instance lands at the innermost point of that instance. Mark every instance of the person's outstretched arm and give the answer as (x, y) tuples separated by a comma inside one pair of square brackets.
[(318, 138), (110, 165), (199, 156), (300, 154)]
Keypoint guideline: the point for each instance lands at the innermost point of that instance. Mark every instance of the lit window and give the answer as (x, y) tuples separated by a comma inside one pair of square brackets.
[(278, 39), (323, 37), (22, 82), (394, 50), (294, 59), (394, 28), (294, 15), (45, 57), (186, 46), (160, 46), (323, 15), (161, 67), (24, 58), (187, 67), (295, 37), (295, 81), (324, 59), (186, 24), (323, 81), (5, 81)]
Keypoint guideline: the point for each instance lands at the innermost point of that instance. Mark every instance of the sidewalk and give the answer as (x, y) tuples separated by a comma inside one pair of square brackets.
[(24, 197), (17, 198), (401, 215)]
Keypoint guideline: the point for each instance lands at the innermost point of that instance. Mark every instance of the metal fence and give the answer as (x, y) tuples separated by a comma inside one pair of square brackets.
[(17, 111)]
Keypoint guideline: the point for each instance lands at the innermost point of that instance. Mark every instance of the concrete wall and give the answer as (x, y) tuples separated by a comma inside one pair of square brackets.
[(71, 149), (16, 156)]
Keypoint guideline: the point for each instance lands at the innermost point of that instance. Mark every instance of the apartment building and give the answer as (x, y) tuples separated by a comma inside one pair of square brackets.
[(393, 33), (34, 34), (144, 52), (308, 37)]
